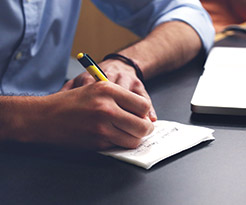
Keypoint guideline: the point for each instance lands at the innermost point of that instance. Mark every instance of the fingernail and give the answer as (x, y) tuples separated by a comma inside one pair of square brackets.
[(152, 116)]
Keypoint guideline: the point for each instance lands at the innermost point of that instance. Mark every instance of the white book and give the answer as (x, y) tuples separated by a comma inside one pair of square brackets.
[(167, 139)]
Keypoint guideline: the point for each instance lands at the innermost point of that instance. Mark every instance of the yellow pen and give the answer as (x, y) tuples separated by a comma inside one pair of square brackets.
[(87, 62)]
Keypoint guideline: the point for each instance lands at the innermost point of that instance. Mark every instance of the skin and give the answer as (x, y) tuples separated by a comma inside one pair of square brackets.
[(84, 121), (96, 116), (166, 48), (238, 7), (225, 12)]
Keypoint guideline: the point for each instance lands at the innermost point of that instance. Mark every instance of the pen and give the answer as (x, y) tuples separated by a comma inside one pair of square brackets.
[(95, 71)]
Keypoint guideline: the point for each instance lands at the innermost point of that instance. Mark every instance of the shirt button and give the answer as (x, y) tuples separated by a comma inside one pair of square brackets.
[(18, 56)]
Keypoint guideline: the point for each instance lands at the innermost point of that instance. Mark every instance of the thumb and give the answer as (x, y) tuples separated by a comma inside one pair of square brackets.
[(67, 86)]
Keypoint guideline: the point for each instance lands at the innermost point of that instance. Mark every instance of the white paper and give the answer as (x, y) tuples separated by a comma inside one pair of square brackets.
[(167, 139)]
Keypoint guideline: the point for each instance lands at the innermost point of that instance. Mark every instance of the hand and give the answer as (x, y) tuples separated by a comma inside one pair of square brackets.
[(95, 116), (119, 73)]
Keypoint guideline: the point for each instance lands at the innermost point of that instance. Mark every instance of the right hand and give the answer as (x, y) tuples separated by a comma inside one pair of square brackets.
[(95, 116), (119, 73)]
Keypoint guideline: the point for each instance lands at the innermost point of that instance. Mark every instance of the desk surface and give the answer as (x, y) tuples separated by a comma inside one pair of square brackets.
[(206, 174)]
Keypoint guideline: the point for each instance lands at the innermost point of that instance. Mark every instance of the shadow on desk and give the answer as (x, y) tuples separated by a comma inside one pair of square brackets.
[(86, 159), (89, 159), (53, 170), (38, 174), (192, 150), (218, 120)]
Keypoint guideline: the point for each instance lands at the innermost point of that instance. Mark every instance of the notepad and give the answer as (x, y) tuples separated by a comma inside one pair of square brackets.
[(167, 139), (221, 88)]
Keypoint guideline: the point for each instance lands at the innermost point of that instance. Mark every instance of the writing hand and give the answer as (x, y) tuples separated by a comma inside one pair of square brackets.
[(94, 116), (119, 73)]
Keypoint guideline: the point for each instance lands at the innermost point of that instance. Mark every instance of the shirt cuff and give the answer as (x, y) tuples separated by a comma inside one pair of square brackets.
[(198, 19)]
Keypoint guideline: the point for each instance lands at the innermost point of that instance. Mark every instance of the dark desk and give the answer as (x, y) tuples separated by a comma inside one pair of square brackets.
[(207, 174)]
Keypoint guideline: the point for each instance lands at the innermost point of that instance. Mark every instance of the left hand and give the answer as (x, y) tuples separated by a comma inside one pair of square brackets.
[(119, 73)]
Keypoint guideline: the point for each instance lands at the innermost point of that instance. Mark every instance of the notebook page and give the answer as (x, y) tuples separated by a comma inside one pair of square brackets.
[(167, 139)]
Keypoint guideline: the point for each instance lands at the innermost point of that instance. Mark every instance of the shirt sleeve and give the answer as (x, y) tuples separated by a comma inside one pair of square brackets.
[(142, 16)]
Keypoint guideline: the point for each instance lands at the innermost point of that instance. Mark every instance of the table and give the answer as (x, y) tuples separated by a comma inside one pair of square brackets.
[(211, 173)]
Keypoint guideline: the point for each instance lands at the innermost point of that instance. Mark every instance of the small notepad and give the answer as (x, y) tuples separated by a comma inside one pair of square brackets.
[(167, 139)]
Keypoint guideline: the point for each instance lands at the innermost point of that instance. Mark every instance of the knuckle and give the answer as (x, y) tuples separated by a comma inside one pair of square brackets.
[(120, 75), (146, 129), (103, 87), (138, 83), (146, 105), (105, 110)]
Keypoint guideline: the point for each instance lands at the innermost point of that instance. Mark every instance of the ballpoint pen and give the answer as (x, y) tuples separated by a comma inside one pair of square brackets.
[(87, 62)]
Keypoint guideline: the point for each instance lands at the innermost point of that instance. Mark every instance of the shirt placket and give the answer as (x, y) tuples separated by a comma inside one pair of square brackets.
[(31, 23)]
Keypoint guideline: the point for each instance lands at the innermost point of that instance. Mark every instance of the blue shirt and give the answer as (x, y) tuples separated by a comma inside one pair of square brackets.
[(36, 35)]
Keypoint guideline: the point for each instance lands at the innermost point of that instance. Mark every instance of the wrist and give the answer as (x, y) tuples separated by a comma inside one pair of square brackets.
[(126, 61), (18, 116)]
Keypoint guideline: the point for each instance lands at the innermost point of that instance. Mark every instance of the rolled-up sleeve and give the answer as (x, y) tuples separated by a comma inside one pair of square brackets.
[(142, 16)]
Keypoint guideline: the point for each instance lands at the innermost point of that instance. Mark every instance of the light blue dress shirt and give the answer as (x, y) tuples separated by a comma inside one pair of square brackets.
[(36, 35)]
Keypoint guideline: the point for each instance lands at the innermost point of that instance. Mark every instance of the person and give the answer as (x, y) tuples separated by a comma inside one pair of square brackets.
[(225, 12), (36, 38)]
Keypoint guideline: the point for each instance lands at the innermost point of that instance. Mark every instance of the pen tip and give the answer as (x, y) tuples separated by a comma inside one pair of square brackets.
[(80, 55)]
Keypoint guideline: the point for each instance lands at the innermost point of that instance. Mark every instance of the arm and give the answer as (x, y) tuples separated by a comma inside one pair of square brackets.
[(175, 39), (162, 50), (166, 48), (84, 121)]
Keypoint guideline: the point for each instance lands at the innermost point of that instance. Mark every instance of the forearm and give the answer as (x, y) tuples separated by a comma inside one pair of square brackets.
[(75, 118), (167, 47), (16, 114)]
